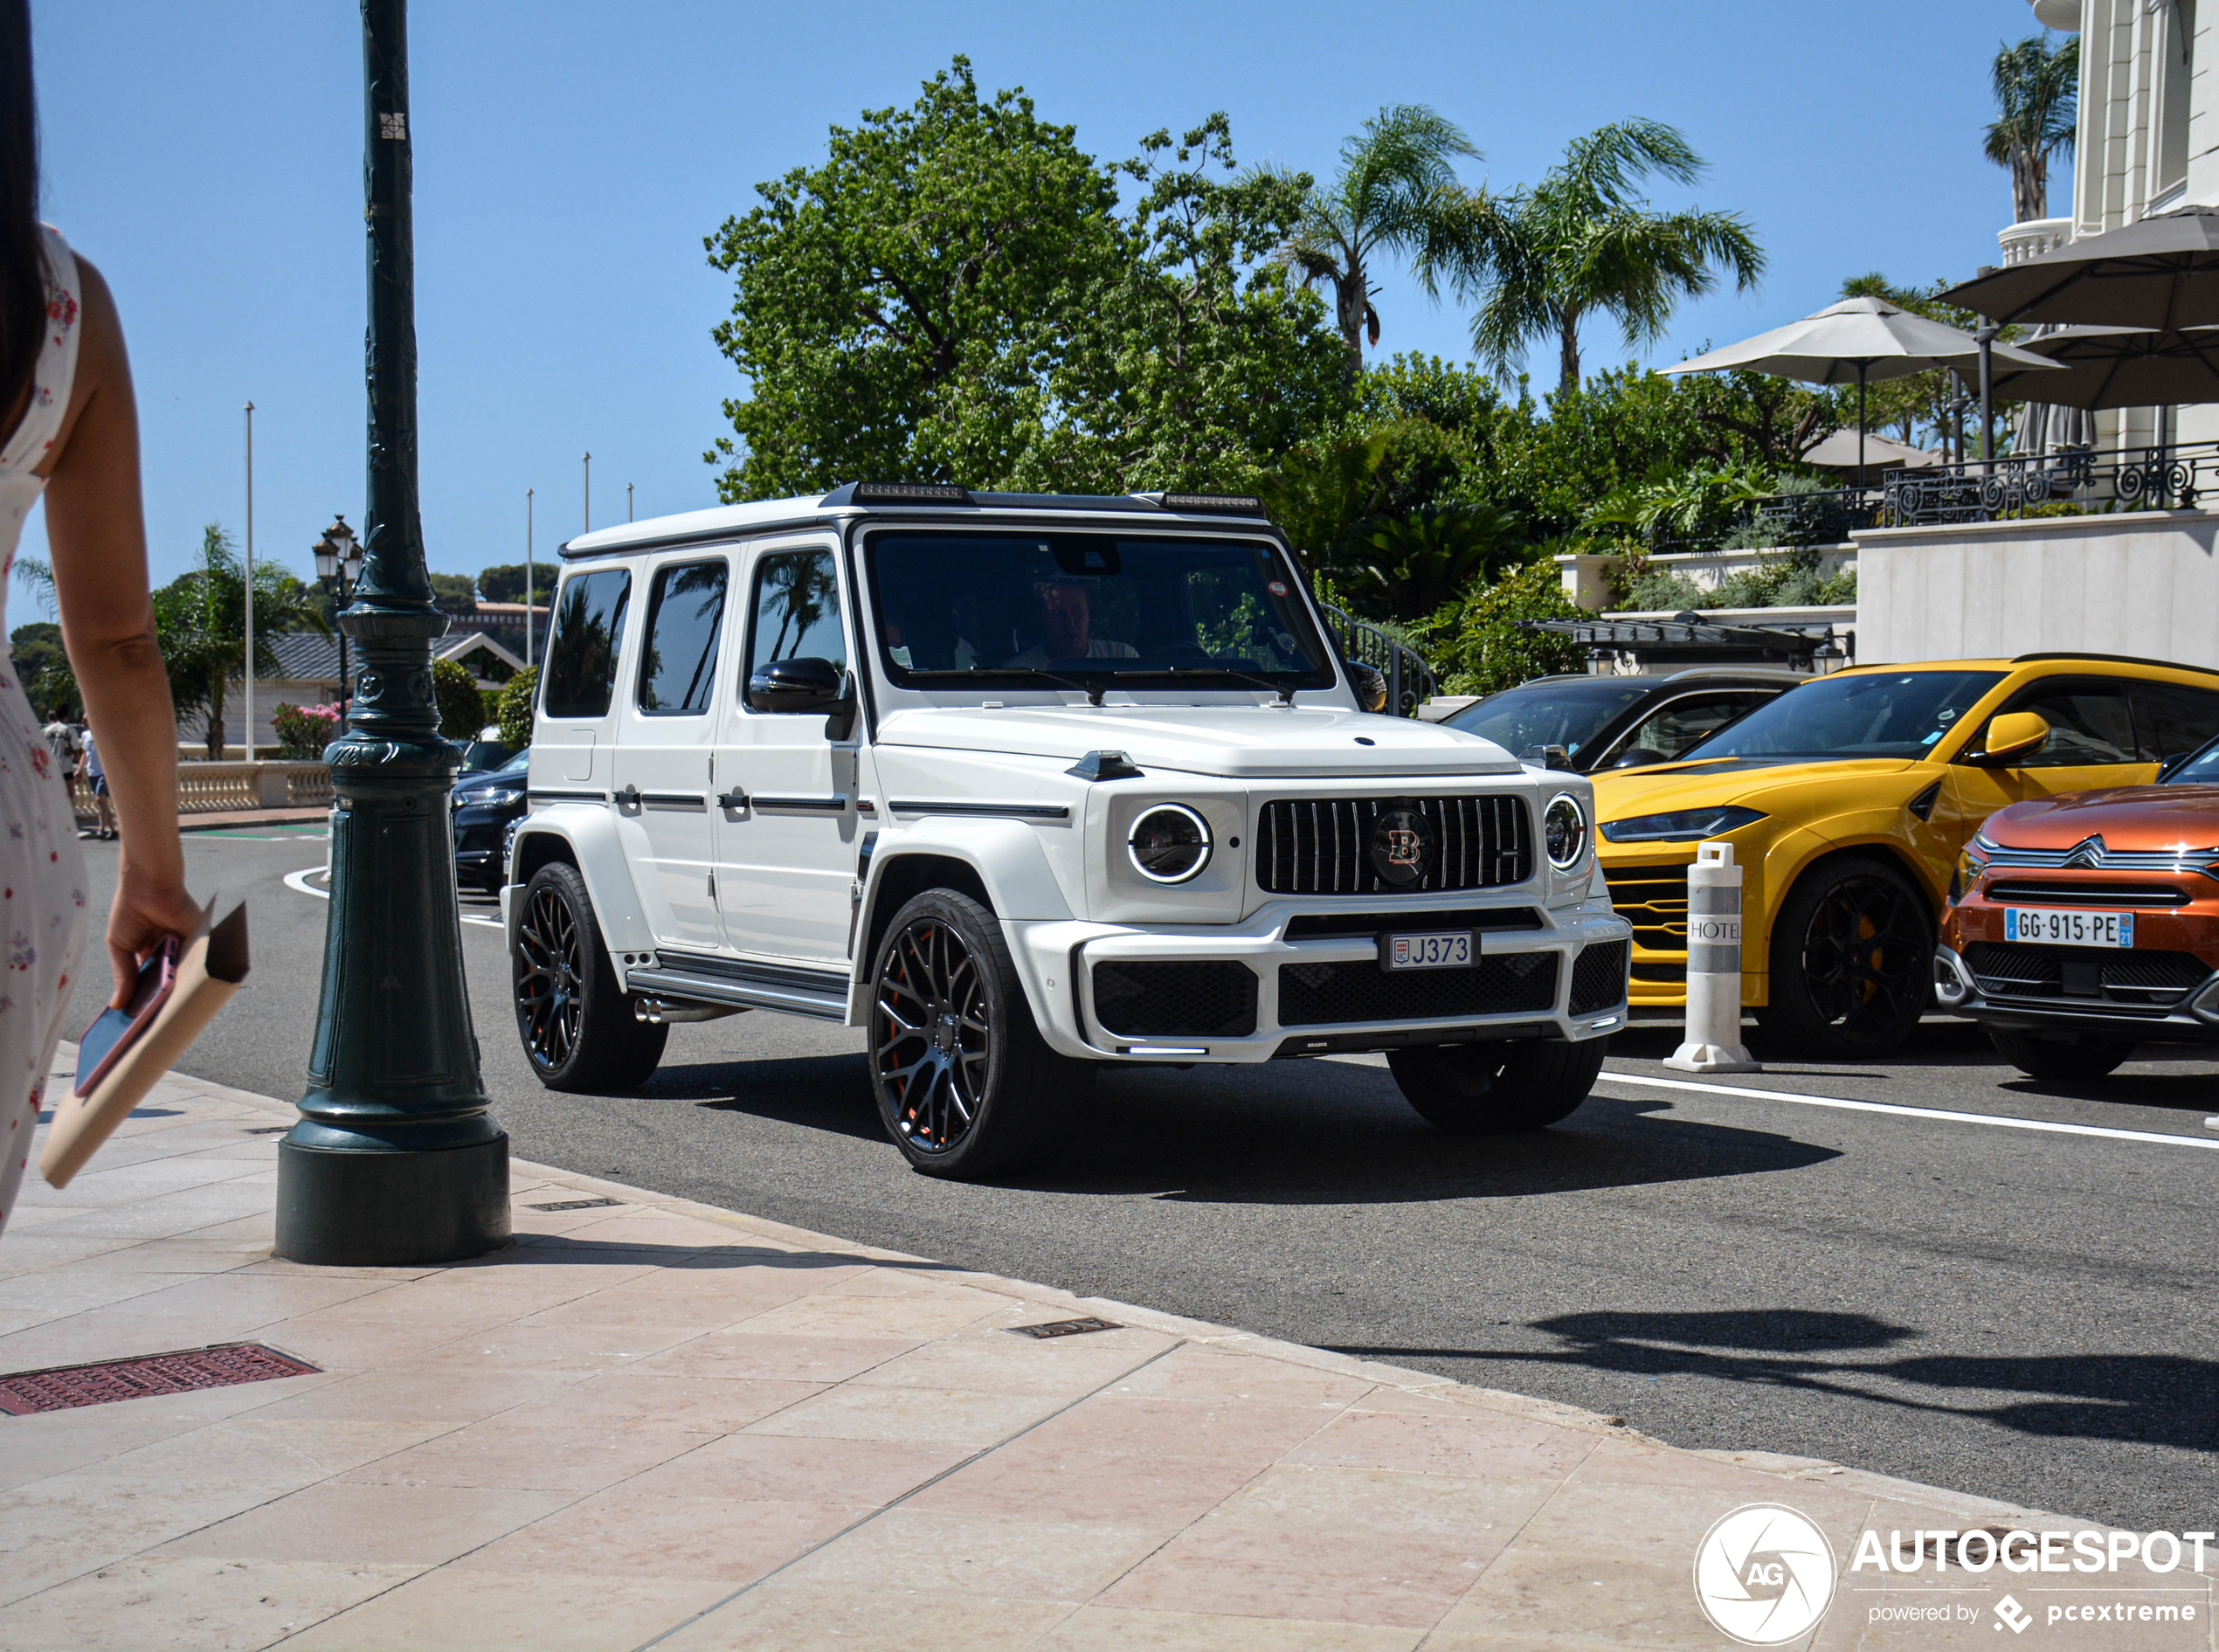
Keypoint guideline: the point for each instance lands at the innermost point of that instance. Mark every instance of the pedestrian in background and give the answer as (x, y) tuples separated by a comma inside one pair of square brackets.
[(71, 434), (96, 777)]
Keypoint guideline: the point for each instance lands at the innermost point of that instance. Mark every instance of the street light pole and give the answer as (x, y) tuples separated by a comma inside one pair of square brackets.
[(527, 576), (396, 1159), (589, 494), (247, 674)]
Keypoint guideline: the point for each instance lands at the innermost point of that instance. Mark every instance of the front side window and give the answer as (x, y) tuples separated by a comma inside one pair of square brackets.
[(797, 611), (1885, 713), (2090, 723), (589, 631), (1091, 610), (685, 618)]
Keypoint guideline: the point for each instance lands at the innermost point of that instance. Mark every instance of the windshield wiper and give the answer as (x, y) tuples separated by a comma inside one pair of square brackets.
[(1284, 685), (1093, 691)]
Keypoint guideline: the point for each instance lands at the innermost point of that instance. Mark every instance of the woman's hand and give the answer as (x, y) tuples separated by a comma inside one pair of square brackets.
[(144, 912)]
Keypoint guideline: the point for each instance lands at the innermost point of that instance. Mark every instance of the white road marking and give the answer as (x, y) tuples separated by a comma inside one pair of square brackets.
[(2000, 1121), (299, 881)]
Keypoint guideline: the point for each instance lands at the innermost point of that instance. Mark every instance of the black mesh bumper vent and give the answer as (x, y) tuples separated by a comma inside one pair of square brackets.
[(1176, 1000), (1322, 846), (2064, 974), (1320, 995), (1599, 976)]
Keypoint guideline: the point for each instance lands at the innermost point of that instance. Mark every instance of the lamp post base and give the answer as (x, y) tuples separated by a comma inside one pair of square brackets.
[(356, 1209)]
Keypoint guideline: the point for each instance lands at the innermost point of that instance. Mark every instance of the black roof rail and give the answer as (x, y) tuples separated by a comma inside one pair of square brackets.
[(2114, 660)]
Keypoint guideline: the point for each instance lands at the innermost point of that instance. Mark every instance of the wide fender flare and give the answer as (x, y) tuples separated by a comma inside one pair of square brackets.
[(1010, 862), (1795, 852), (590, 832)]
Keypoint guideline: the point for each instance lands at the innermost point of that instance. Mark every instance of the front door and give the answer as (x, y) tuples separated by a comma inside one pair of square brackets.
[(787, 854), (665, 754)]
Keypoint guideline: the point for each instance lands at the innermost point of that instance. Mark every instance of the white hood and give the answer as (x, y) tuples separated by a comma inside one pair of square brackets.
[(1231, 740)]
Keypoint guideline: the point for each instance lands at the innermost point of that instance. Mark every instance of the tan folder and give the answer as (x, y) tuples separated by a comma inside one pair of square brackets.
[(211, 965)]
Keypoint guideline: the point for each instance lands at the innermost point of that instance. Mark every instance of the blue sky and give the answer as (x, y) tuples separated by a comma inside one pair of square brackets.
[(570, 157)]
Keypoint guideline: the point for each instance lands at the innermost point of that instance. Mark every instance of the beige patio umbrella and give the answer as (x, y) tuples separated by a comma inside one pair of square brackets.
[(1855, 341), (1840, 450)]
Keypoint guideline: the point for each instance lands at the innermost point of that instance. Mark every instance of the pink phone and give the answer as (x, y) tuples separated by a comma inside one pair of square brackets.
[(118, 1030)]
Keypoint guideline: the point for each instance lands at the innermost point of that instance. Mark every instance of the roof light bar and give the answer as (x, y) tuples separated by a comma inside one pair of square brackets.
[(910, 494), (1224, 504)]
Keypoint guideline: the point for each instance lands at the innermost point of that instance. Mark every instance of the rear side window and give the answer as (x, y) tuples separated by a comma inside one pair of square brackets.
[(797, 611), (685, 618), (2173, 720), (589, 630)]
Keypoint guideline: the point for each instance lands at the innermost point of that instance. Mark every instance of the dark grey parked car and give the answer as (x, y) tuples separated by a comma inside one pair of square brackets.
[(487, 803), (1620, 723)]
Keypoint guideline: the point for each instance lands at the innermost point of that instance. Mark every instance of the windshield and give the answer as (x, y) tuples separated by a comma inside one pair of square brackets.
[(1090, 609), (1885, 714), (2201, 770), (1550, 714)]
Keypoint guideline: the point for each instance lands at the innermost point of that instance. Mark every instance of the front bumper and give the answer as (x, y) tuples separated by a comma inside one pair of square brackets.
[(2165, 992), (1531, 970)]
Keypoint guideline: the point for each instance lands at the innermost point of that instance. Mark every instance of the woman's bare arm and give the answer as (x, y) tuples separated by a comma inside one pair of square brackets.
[(97, 533)]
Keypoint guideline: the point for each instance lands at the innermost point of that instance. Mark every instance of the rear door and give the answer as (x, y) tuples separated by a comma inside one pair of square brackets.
[(786, 855), (665, 757)]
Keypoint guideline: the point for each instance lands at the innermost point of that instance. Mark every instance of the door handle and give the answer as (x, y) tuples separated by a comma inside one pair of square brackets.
[(734, 799), (628, 798)]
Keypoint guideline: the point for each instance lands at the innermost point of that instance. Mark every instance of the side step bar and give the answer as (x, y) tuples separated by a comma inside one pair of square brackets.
[(747, 994)]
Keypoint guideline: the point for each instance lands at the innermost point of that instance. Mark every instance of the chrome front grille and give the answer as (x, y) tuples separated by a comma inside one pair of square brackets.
[(2091, 853), (1322, 846)]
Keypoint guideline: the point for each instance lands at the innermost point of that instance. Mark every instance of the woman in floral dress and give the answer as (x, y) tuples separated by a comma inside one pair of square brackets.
[(71, 434)]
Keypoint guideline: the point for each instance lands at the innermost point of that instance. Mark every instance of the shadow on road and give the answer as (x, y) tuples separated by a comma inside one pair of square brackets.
[(2152, 1399)]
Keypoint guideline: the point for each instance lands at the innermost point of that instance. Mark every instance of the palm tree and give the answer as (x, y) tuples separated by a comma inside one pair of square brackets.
[(1397, 192), (2038, 91), (1581, 240), (200, 617)]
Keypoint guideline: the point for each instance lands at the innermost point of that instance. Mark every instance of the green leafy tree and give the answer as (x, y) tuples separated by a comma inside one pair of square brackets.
[(1487, 648), (454, 593), (1581, 241), (2038, 91), (200, 619), (461, 702), (1396, 193), (1193, 355), (506, 583), (513, 707), (43, 669), (896, 309), (1694, 507), (1413, 563)]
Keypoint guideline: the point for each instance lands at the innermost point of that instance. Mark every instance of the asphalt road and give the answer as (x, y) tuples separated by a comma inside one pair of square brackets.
[(2023, 1313)]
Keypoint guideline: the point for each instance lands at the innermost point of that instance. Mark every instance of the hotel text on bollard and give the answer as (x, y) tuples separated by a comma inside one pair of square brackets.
[(1713, 1043)]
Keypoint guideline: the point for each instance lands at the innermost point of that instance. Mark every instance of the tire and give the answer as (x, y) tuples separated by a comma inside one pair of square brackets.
[(576, 1022), (966, 1085), (2057, 1060), (1852, 961), (1497, 1089)]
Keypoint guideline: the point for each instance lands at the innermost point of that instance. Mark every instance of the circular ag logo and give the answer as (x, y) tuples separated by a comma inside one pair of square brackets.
[(1764, 1575), (1401, 847)]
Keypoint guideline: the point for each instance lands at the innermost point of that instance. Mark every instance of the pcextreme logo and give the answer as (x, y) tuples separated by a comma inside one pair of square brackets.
[(1764, 1575)]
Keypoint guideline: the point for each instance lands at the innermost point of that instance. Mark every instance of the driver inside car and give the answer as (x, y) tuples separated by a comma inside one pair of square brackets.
[(1067, 627)]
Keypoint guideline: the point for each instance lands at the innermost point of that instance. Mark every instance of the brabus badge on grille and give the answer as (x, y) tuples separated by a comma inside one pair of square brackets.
[(1402, 847)]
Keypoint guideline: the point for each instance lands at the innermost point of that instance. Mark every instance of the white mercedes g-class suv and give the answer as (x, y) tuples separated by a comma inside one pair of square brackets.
[(1026, 786)]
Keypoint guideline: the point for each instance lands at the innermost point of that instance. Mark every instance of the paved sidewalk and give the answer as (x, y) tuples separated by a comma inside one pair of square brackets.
[(658, 1422)]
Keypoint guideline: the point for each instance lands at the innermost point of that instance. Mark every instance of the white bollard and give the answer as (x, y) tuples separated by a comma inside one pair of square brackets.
[(1713, 966)]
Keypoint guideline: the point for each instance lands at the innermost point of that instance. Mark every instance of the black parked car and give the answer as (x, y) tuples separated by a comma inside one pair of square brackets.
[(486, 805), (1620, 723)]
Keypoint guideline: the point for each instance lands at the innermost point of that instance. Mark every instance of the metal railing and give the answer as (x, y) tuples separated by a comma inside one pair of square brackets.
[(1777, 520), (1411, 680), (2070, 481)]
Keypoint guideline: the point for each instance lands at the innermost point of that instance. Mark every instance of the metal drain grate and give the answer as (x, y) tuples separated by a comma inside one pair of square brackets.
[(1066, 1328), (64, 1387), (578, 1203)]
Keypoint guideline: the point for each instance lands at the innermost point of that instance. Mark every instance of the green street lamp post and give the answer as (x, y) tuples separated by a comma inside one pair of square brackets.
[(396, 1159)]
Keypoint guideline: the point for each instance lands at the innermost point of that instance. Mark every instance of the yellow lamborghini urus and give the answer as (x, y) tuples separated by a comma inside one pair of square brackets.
[(1849, 799)]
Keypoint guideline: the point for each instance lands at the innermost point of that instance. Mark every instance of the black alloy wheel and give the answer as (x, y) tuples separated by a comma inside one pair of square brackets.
[(966, 1085), (577, 1027), (1852, 964)]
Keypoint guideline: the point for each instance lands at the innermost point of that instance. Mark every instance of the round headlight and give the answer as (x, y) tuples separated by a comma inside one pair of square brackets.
[(1170, 843), (1564, 828)]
